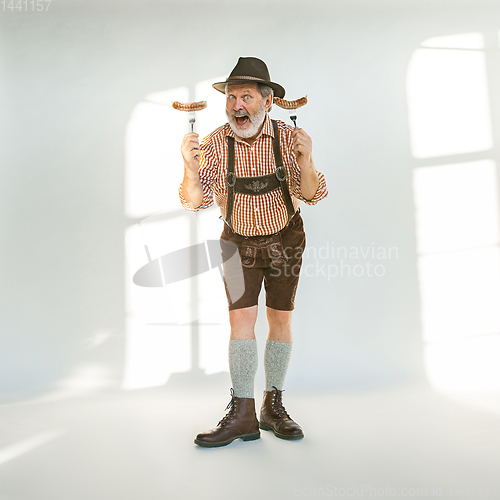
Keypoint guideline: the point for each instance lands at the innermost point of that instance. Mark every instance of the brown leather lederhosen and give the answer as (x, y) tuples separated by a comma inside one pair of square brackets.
[(257, 185)]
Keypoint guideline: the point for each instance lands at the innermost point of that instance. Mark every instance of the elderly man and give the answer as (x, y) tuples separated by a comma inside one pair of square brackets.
[(259, 170)]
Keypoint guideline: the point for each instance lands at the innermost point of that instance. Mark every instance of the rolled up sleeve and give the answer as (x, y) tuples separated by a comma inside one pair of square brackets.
[(208, 175), (322, 190)]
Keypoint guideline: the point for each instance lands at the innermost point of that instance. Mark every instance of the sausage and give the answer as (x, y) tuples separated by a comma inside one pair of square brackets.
[(290, 104), (189, 106)]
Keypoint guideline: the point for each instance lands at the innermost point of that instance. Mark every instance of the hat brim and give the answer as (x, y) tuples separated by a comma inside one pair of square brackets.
[(279, 91)]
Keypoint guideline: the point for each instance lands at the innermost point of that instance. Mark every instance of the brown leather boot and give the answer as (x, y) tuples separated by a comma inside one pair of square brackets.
[(240, 422), (273, 416)]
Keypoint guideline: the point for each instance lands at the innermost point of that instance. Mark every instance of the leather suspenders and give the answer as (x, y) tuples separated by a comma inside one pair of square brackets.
[(257, 185), (281, 172)]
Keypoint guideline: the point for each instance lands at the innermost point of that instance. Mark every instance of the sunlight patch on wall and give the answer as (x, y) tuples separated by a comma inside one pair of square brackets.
[(152, 151), (158, 319), (448, 104), (466, 364), (214, 329), (156, 344), (457, 214), (460, 293), (456, 206), (460, 41)]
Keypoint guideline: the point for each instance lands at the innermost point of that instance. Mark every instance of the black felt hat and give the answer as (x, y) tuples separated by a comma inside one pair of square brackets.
[(250, 69)]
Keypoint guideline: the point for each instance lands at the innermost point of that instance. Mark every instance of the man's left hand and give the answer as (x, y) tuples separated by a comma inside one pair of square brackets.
[(302, 147)]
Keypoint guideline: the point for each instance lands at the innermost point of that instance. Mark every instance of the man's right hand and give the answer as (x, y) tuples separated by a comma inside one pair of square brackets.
[(190, 150), (192, 189)]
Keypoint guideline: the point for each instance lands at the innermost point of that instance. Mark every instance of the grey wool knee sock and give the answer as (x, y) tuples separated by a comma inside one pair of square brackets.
[(276, 358), (243, 362)]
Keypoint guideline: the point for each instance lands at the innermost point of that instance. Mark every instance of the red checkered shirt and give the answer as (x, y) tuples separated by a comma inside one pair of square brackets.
[(252, 215)]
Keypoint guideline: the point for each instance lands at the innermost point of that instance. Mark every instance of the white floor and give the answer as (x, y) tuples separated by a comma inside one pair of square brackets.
[(398, 442)]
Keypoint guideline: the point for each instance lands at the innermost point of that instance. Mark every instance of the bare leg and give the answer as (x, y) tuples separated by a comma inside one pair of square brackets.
[(279, 325), (243, 323)]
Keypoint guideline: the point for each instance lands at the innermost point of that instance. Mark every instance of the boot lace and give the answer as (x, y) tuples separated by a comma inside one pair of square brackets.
[(278, 404), (232, 411)]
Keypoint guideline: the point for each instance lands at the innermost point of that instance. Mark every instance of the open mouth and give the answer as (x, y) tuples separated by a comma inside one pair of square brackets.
[(241, 120)]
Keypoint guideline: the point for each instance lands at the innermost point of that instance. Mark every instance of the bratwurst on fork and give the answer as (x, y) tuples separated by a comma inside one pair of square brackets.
[(189, 106), (282, 103)]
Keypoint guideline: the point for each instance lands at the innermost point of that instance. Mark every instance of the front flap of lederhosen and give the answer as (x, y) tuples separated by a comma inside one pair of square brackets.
[(248, 254)]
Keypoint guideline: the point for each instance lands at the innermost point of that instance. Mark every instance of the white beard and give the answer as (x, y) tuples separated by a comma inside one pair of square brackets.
[(255, 120)]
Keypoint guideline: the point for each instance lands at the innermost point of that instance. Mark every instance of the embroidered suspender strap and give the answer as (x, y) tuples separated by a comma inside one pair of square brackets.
[(257, 185), (281, 172), (230, 180)]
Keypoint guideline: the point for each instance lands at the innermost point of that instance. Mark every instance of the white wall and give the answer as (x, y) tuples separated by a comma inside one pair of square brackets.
[(69, 81)]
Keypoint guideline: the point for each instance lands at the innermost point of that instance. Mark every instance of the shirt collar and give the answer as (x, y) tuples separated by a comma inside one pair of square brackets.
[(267, 129)]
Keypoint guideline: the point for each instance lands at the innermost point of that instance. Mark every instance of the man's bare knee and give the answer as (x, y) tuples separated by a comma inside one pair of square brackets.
[(279, 325), (243, 322), (281, 319)]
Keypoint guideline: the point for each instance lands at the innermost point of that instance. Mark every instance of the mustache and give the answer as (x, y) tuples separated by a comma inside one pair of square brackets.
[(239, 114)]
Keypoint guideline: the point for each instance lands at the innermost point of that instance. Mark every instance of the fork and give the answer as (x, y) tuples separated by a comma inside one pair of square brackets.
[(192, 120)]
